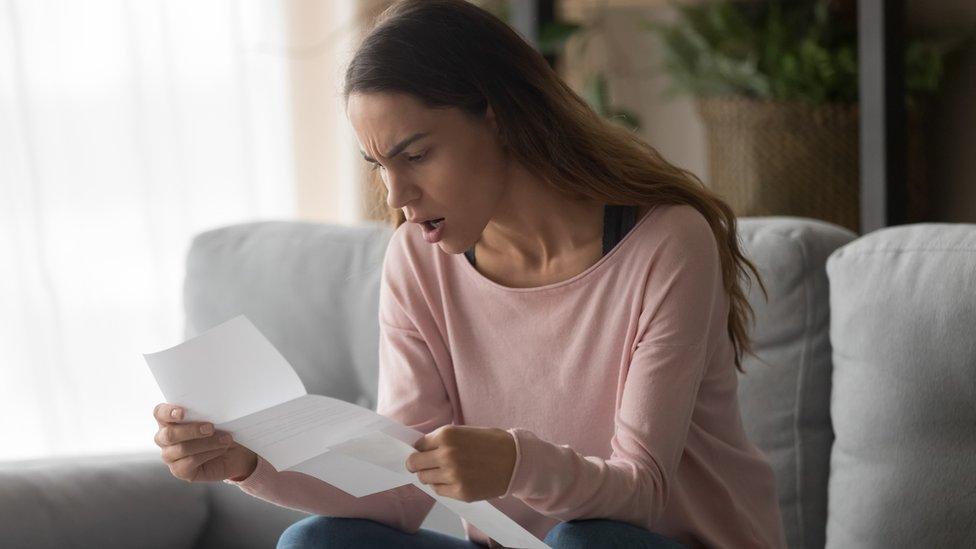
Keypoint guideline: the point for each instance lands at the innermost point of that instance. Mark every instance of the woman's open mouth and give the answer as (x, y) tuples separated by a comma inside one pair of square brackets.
[(433, 230)]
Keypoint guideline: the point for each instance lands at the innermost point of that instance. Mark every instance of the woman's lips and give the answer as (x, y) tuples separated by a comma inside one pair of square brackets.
[(433, 234)]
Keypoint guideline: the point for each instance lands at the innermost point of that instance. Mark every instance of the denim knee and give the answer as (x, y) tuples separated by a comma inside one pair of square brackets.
[(316, 532), (591, 533)]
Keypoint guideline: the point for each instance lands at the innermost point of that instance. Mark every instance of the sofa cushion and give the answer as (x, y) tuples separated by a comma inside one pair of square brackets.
[(106, 501), (237, 520), (311, 288), (903, 466), (785, 396)]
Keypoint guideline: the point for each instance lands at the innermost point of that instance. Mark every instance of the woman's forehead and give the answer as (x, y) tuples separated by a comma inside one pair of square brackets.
[(382, 121), (386, 108)]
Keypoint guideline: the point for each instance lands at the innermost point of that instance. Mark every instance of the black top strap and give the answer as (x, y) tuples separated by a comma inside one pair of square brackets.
[(469, 253), (617, 221)]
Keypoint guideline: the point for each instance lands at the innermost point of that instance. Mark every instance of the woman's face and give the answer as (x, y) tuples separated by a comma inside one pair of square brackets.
[(435, 163)]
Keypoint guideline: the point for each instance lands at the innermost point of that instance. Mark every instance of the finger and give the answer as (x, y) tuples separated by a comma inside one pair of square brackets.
[(174, 433), (176, 452), (168, 413), (436, 438), (434, 476), (419, 461), (447, 490), (187, 468)]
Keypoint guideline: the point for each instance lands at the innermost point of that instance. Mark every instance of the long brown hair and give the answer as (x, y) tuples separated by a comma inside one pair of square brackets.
[(451, 53)]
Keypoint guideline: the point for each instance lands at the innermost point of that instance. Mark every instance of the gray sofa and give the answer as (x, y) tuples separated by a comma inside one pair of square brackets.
[(864, 399)]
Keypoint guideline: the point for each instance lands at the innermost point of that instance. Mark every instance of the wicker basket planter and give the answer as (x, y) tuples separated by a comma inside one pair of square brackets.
[(784, 158)]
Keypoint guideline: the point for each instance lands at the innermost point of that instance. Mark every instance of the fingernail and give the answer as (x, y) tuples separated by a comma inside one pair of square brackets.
[(206, 429), (175, 413)]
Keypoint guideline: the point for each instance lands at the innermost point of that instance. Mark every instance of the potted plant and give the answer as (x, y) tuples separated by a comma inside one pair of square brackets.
[(776, 87), (552, 40)]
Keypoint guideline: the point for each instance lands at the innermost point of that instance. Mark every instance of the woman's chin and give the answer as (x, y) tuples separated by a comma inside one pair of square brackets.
[(447, 248)]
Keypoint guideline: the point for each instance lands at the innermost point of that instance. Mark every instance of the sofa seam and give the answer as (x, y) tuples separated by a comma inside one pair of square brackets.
[(790, 235), (856, 252), (802, 374)]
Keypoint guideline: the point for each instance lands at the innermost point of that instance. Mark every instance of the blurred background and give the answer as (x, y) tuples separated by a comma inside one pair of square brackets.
[(126, 128)]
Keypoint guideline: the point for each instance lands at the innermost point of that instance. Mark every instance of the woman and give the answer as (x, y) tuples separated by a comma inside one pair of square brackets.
[(560, 314)]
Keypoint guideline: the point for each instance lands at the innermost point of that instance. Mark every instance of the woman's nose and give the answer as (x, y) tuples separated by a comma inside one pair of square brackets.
[(399, 191)]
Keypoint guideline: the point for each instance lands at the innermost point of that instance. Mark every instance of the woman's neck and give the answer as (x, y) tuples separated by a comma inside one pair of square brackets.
[(536, 226)]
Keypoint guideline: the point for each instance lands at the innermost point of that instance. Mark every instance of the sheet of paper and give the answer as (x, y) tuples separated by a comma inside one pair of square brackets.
[(391, 454), (225, 373), (487, 518), (233, 377), (353, 476), (298, 430)]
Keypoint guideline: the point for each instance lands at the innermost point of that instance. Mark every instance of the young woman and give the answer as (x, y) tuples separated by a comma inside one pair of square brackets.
[(560, 314)]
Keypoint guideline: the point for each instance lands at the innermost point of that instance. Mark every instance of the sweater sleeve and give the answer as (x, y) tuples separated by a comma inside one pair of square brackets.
[(409, 391), (683, 302)]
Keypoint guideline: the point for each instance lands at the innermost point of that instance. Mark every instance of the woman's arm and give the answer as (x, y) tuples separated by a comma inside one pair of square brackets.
[(683, 295), (410, 391)]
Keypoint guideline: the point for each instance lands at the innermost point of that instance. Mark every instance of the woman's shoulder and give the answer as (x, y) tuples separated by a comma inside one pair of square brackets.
[(408, 254), (675, 223), (674, 238), (407, 243)]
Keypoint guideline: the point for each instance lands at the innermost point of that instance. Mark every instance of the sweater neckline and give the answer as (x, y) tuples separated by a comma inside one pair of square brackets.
[(472, 271)]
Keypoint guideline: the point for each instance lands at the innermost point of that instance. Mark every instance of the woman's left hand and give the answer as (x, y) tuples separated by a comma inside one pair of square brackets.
[(464, 462)]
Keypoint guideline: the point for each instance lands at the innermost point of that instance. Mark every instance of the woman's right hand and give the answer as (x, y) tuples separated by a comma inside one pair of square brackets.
[(196, 452)]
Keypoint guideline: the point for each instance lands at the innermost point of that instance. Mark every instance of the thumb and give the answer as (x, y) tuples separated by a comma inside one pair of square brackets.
[(425, 443)]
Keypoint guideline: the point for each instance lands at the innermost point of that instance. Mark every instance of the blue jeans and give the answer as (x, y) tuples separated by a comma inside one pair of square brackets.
[(317, 532)]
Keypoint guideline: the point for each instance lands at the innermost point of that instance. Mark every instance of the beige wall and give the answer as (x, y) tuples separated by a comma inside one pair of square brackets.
[(329, 169), (318, 36), (635, 82)]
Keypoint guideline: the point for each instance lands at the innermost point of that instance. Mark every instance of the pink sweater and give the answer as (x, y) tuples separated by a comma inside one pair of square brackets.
[(618, 386)]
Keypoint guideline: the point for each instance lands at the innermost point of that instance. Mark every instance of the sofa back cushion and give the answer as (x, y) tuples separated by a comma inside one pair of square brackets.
[(785, 397), (311, 288), (903, 466)]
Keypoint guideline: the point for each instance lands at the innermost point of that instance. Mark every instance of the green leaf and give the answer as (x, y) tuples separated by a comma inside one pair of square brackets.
[(553, 35), (625, 117), (781, 50), (595, 93)]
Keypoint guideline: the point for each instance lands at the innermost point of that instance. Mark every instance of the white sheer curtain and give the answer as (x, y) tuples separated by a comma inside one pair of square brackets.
[(125, 128)]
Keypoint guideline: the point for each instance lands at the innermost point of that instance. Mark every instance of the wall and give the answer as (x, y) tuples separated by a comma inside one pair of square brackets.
[(321, 39)]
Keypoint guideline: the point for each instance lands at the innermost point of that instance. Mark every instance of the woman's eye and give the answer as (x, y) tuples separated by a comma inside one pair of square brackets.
[(373, 166)]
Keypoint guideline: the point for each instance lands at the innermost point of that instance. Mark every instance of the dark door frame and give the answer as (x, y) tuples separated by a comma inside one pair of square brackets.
[(881, 98)]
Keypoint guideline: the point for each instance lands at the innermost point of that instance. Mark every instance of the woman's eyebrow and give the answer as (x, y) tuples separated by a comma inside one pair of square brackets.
[(398, 148)]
